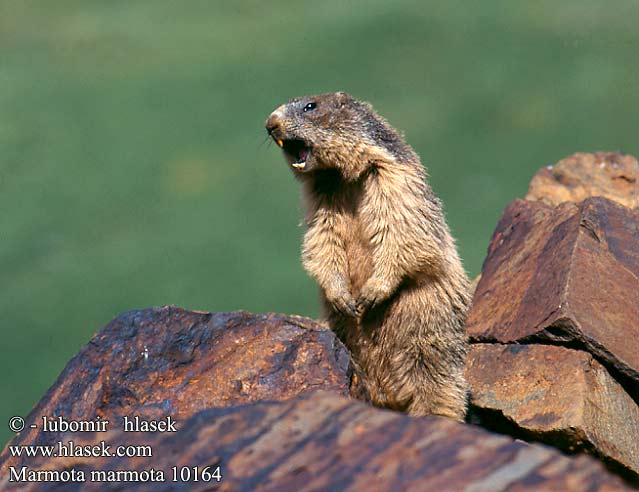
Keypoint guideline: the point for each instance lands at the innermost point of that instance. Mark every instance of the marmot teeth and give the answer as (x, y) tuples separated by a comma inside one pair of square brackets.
[(299, 165)]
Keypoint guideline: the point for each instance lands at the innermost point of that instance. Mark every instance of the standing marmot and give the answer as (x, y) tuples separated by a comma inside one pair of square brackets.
[(393, 286)]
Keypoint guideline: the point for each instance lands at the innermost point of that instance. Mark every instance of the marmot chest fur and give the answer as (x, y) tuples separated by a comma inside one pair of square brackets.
[(393, 286)]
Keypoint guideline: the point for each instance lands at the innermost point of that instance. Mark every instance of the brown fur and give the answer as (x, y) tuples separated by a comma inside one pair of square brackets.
[(393, 286)]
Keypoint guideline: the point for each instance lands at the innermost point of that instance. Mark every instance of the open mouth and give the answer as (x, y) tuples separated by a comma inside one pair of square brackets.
[(297, 151)]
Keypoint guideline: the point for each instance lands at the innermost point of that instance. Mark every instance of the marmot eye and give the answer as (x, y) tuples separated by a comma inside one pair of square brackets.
[(309, 107)]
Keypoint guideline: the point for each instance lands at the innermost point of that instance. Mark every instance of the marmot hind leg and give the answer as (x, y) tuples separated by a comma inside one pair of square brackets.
[(448, 398), (423, 331)]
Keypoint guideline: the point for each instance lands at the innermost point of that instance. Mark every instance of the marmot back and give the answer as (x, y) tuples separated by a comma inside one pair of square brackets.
[(393, 287)]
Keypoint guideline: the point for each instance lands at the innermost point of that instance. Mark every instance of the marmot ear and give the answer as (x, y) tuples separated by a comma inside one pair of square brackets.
[(343, 97)]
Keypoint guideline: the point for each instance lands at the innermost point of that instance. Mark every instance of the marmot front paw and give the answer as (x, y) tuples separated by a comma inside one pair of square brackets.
[(344, 304), (372, 294)]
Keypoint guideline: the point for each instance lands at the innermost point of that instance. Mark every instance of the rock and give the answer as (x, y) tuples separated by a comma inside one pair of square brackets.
[(474, 283), (168, 361), (564, 275), (321, 441), (580, 176), (555, 395)]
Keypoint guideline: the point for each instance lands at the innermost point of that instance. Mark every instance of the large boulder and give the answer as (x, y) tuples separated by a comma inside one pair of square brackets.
[(555, 316), (325, 442), (567, 274), (172, 362), (556, 395)]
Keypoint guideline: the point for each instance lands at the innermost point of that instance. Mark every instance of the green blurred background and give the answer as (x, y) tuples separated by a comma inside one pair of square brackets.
[(134, 168)]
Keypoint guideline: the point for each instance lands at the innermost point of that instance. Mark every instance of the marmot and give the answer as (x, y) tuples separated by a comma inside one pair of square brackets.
[(393, 286)]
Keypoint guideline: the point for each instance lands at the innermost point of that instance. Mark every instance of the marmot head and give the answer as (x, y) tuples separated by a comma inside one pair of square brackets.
[(334, 130)]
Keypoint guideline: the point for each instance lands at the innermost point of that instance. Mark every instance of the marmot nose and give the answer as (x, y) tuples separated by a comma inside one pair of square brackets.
[(273, 123)]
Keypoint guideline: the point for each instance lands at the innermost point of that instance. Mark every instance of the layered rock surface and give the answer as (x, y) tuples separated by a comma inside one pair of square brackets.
[(560, 287), (556, 395), (569, 274), (325, 442), (168, 361)]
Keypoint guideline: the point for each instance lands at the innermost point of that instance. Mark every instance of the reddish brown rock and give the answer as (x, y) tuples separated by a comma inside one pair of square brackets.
[(568, 275), (555, 395), (580, 176), (171, 362), (324, 442), (474, 283)]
